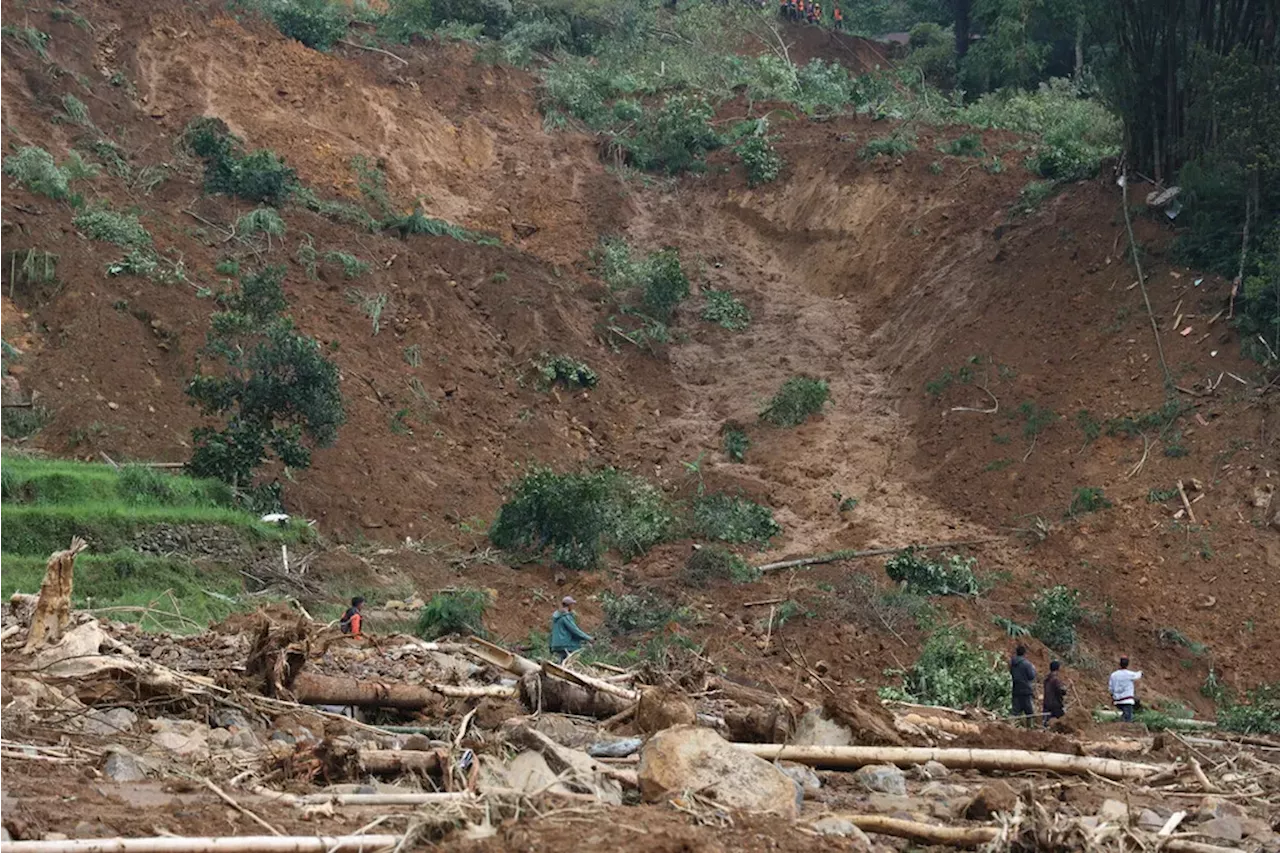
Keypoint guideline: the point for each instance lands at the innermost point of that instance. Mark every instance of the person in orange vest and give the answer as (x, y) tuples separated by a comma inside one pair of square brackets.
[(839, 18), (350, 621)]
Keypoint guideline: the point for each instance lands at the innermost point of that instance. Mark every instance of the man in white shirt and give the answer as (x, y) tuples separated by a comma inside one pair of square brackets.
[(1122, 692)]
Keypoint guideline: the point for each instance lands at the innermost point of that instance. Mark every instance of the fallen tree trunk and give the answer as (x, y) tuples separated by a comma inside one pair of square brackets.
[(1172, 722), (500, 657), (237, 844), (395, 762), (956, 759), (539, 691), (836, 556), (314, 689), (424, 799), (589, 682)]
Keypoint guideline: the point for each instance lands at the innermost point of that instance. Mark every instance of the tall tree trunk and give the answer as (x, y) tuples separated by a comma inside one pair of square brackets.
[(962, 9), (1079, 69)]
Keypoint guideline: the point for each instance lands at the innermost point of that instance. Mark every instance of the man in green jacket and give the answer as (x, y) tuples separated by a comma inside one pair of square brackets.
[(566, 636)]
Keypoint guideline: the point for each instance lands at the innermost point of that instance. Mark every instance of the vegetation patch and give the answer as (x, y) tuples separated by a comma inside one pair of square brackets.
[(954, 672), (632, 612), (953, 575), (1058, 612), (713, 563), (566, 371), (258, 176), (729, 518), (577, 517), (110, 226), (797, 399), (760, 160), (725, 310), (735, 442), (1087, 499), (35, 169), (459, 611)]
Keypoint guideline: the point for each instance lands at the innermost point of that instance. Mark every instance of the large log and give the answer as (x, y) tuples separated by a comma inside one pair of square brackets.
[(395, 762), (311, 688), (539, 691), (924, 833), (956, 759), (590, 682)]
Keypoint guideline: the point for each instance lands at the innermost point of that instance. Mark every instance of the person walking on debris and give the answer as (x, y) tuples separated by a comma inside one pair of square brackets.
[(1023, 675), (350, 621), (1122, 690), (1055, 694), (566, 636)]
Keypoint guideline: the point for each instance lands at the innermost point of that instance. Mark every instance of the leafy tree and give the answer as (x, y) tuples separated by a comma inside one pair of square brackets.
[(278, 392), (1007, 54)]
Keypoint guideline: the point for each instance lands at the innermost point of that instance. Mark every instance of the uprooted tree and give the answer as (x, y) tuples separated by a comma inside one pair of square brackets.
[(277, 390)]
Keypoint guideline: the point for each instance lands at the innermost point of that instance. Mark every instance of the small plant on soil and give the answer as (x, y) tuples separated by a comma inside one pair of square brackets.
[(578, 516), (123, 229), (725, 310), (1011, 628), (714, 563), (896, 144), (33, 38), (760, 159), (954, 672), (419, 223), (969, 145), (1090, 428), (736, 442), (638, 611), (1174, 637), (567, 371), (352, 267), (733, 519), (315, 23), (263, 220), (797, 399), (453, 612), (1087, 499), (1058, 612), (257, 176), (951, 576), (1159, 496), (372, 304)]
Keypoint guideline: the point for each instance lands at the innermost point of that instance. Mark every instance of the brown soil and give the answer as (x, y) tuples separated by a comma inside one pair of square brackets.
[(878, 275)]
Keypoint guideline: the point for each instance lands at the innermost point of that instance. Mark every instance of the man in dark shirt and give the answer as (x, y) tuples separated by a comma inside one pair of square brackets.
[(1023, 675), (1055, 694)]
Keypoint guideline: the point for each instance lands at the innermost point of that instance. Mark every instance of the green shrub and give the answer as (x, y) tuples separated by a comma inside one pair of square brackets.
[(352, 267), (638, 611), (913, 568), (263, 220), (666, 285), (257, 176), (726, 310), (1259, 713), (569, 372), (713, 563), (577, 517), (733, 519), (419, 223), (1058, 612), (736, 442), (675, 138), (797, 399), (1087, 499), (33, 38), (896, 144), (953, 672), (760, 159), (17, 424), (969, 145), (371, 303), (123, 229), (315, 23), (458, 611), (35, 169)]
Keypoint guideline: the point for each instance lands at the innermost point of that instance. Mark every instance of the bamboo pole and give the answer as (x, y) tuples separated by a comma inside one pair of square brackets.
[(836, 556), (958, 759), (235, 844), (500, 657), (315, 689)]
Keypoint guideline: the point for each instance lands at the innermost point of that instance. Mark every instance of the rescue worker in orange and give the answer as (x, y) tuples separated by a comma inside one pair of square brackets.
[(350, 621), (839, 18)]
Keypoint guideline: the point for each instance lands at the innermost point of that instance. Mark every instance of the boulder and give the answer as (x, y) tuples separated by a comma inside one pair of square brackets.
[(661, 709), (1114, 811), (884, 778), (110, 723), (931, 770), (1225, 828), (124, 766), (802, 774), (992, 799), (528, 772), (690, 758), (813, 729), (844, 828), (1150, 820), (1211, 807)]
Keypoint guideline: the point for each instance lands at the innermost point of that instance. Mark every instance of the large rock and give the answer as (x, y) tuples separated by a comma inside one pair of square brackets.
[(1225, 828), (1114, 811), (110, 723), (661, 709), (124, 766), (802, 774), (814, 729), (844, 828), (884, 778), (528, 772), (689, 758), (991, 799)]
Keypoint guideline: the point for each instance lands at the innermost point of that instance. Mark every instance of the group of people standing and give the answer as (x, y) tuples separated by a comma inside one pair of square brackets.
[(1023, 675), (809, 10)]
